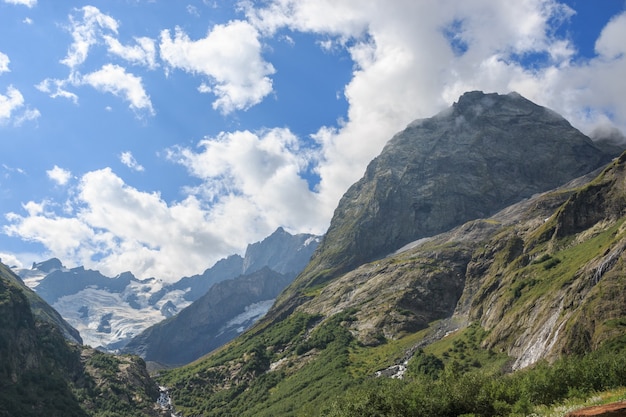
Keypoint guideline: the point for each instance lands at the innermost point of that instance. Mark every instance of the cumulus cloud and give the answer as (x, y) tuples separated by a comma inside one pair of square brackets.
[(10, 260), (127, 229), (143, 53), (27, 3), (59, 175), (9, 102), (256, 174), (129, 160), (229, 58), (89, 27), (86, 30), (410, 61), (610, 44), (4, 63), (251, 184), (115, 80), (13, 109)]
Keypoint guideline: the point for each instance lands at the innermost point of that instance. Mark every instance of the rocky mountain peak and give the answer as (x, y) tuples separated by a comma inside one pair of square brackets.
[(48, 266), (485, 152), (281, 251)]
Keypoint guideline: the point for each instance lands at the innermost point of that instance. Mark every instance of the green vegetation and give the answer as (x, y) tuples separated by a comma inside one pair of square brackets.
[(450, 392), (212, 387), (107, 390)]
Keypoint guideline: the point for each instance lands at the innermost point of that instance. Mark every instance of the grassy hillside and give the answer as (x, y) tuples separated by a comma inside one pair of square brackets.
[(538, 288)]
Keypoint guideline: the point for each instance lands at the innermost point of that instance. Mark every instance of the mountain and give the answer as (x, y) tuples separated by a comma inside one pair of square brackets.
[(42, 310), (108, 312), (484, 153), (481, 241), (229, 306), (281, 251), (227, 309), (41, 374)]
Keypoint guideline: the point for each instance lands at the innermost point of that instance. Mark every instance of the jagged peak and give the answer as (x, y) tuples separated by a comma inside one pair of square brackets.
[(48, 266)]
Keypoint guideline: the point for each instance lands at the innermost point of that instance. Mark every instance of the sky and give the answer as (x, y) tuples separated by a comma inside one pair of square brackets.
[(159, 136)]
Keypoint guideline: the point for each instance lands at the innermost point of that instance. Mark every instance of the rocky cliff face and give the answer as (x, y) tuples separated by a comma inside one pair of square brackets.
[(42, 375), (230, 304), (550, 287), (281, 252), (42, 310), (484, 153)]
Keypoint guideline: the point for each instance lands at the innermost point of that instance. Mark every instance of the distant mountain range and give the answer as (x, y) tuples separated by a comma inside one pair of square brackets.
[(108, 312)]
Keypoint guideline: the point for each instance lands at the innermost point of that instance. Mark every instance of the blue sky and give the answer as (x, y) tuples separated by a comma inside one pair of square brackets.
[(160, 136)]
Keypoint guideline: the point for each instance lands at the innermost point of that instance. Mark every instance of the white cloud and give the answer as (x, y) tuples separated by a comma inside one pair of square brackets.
[(89, 27), (9, 102), (257, 175), (115, 80), (143, 53), (10, 260), (129, 160), (126, 229), (61, 236), (410, 61), (12, 108), (4, 63), (27, 3), (193, 10), (59, 175), (251, 184), (230, 59), (57, 88), (86, 31), (610, 44), (26, 116)]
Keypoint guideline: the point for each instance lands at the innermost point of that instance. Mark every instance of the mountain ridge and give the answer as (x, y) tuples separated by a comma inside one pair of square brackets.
[(109, 312)]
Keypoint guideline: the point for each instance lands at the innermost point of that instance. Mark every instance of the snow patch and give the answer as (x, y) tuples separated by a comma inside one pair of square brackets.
[(252, 312), (85, 310)]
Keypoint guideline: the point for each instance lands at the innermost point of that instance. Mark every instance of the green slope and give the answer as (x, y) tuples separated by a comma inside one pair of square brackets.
[(543, 278)]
